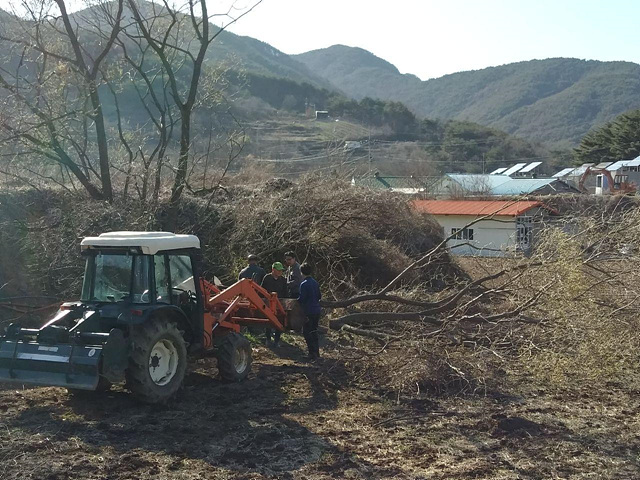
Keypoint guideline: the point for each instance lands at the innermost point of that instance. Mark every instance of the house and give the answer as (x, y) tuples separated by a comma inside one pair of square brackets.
[(322, 115), (510, 227), (352, 145), (492, 185)]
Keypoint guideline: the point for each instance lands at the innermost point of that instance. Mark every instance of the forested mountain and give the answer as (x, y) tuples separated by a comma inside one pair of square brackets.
[(555, 101)]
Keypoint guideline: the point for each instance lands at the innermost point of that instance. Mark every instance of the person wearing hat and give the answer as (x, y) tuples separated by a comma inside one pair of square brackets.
[(275, 282), (252, 271)]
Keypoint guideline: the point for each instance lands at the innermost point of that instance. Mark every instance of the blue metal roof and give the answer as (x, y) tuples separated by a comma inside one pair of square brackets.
[(478, 182), (499, 184), (519, 186)]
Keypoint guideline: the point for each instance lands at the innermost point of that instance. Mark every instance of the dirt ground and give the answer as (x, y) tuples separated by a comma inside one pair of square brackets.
[(293, 420)]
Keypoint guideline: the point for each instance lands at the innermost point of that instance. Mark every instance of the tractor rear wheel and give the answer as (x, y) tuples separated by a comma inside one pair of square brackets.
[(158, 361), (234, 357)]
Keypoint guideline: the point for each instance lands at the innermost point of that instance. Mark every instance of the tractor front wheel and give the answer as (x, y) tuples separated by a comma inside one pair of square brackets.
[(234, 357), (158, 361)]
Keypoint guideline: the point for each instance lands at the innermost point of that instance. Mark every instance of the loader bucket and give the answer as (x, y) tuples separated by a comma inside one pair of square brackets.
[(62, 365)]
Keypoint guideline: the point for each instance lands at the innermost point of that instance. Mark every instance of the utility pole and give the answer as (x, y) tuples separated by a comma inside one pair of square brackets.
[(483, 163), (259, 150)]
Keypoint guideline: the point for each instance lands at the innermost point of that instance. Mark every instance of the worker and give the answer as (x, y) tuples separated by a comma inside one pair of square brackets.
[(252, 271), (275, 282), (294, 276), (309, 299)]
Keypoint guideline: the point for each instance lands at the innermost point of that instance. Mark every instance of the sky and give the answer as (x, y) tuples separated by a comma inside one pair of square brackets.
[(433, 38)]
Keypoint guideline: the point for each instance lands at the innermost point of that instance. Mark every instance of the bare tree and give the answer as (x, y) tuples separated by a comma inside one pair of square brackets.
[(180, 37), (146, 158), (54, 88)]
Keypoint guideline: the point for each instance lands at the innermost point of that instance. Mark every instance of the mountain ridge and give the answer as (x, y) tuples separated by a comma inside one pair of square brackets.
[(554, 100)]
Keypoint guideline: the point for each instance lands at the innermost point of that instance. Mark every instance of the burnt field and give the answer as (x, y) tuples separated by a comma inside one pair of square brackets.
[(296, 420)]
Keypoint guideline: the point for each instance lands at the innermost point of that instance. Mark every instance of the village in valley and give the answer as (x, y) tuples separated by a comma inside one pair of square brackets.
[(515, 195), (305, 241)]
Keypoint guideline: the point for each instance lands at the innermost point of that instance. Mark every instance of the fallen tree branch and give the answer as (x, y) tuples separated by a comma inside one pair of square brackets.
[(375, 296), (432, 307), (366, 317), (383, 338), (509, 314)]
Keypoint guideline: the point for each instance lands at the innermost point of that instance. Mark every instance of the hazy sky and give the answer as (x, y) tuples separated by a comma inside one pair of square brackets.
[(432, 38)]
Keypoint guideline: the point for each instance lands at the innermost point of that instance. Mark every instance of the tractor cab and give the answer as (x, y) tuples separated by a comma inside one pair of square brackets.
[(145, 270)]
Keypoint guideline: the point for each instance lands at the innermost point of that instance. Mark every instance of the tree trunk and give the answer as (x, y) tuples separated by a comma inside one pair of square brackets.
[(181, 173), (101, 136), (93, 191)]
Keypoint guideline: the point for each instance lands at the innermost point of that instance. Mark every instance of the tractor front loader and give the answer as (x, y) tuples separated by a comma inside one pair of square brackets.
[(144, 307)]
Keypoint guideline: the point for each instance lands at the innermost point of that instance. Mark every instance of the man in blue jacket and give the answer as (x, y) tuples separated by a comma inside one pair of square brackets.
[(309, 298)]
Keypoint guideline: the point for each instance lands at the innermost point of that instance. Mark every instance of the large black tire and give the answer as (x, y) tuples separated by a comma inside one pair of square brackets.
[(234, 357), (151, 342)]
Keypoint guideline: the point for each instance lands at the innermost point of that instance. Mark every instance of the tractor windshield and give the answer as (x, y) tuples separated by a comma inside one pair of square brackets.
[(116, 277)]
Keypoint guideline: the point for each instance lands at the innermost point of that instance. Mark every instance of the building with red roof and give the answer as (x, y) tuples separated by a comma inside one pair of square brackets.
[(487, 227)]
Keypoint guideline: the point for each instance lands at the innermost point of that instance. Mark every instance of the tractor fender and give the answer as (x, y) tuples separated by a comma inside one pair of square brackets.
[(151, 312)]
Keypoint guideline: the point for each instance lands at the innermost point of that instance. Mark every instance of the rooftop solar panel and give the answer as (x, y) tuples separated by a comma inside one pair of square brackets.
[(564, 172), (634, 163), (530, 167), (617, 165), (513, 169), (603, 165)]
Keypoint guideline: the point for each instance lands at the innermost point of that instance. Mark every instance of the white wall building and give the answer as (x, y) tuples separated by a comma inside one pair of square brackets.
[(510, 226)]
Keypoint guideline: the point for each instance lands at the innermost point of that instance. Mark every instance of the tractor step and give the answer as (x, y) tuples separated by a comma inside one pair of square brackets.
[(62, 365)]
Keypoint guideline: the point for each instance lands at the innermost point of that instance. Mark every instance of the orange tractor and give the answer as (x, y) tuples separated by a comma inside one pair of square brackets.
[(144, 307)]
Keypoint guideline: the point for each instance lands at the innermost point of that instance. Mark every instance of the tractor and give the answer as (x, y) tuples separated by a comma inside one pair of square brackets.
[(144, 308)]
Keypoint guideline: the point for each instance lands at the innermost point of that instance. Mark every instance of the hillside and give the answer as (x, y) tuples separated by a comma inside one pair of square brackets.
[(234, 50), (266, 91), (230, 49), (555, 101)]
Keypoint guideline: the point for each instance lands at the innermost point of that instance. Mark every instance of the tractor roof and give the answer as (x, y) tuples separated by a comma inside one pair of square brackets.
[(149, 242)]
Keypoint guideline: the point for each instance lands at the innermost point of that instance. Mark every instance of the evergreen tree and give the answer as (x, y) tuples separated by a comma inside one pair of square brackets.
[(617, 140)]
